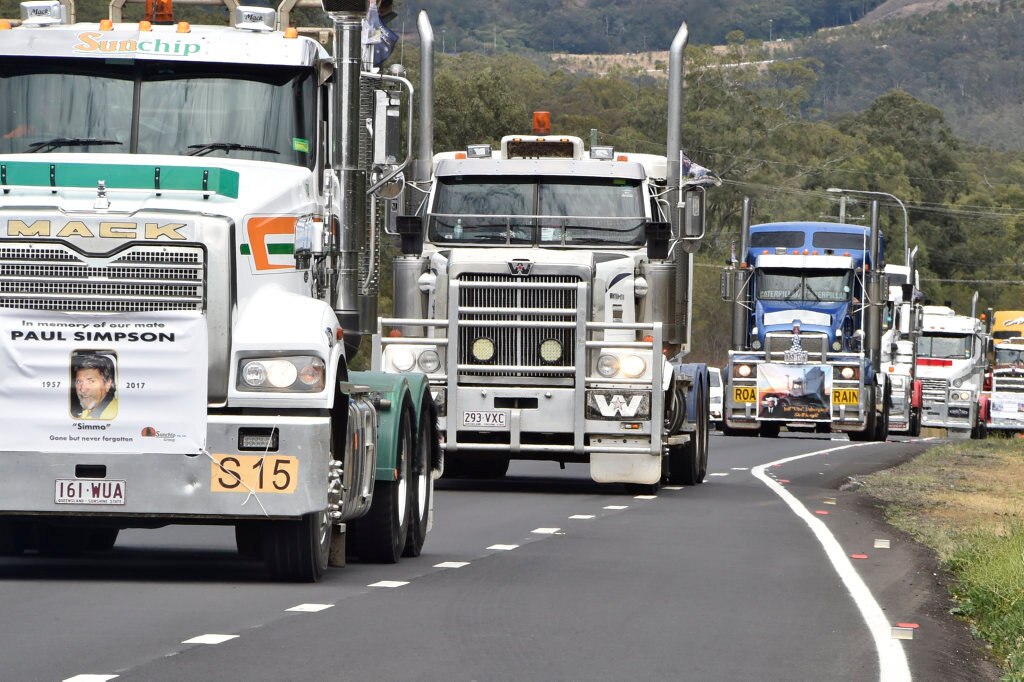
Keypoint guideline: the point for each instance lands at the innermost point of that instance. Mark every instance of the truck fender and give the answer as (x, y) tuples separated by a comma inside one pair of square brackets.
[(917, 394), (984, 412), (393, 392)]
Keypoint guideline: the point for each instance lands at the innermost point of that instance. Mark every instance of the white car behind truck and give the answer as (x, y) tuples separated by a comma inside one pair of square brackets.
[(184, 214)]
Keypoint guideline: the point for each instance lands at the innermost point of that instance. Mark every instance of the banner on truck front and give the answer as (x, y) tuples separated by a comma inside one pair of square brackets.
[(103, 383), (794, 392)]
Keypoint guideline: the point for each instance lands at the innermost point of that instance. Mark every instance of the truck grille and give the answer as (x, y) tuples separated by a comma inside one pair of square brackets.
[(142, 278), (519, 304), (813, 344), (1009, 383), (934, 390)]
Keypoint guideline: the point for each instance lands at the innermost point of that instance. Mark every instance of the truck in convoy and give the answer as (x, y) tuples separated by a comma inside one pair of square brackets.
[(952, 360), (545, 290), (806, 330), (901, 322), (187, 252), (1004, 383)]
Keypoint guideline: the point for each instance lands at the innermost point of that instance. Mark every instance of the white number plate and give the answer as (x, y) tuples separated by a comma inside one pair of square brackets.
[(88, 491), (484, 419)]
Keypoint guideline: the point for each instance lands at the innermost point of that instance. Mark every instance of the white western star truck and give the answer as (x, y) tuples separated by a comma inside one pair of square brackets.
[(952, 358), (902, 324), (545, 290), (186, 253)]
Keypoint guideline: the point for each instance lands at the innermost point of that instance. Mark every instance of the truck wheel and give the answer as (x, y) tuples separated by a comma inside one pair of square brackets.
[(980, 431), (248, 540), (882, 420), (688, 463), (12, 538), (915, 423), (103, 539), (379, 537), (869, 432), (420, 484), (297, 551)]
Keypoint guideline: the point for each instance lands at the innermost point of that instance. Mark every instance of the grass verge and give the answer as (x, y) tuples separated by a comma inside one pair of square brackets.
[(966, 501)]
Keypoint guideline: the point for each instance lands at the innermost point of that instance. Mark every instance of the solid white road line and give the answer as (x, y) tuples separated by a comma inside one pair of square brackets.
[(310, 608), (210, 639), (892, 660)]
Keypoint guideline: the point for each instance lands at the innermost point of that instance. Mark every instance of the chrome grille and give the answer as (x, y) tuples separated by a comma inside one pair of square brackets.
[(519, 303), (143, 278), (934, 390), (1010, 383), (813, 344)]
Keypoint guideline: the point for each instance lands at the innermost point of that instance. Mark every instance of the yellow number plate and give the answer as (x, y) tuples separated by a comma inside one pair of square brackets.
[(744, 394), (845, 396), (255, 473)]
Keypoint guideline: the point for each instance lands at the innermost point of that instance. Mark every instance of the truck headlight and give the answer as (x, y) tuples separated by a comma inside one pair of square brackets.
[(483, 349), (429, 361), (633, 366), (847, 372), (403, 359), (607, 365), (299, 373), (743, 370), (957, 383)]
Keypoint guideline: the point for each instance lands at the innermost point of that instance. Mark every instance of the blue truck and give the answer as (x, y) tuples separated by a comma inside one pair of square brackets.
[(806, 330)]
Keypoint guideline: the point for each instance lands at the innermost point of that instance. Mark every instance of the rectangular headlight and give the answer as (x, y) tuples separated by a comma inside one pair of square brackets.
[(289, 374)]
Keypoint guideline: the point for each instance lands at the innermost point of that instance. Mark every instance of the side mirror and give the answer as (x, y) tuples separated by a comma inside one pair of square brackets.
[(658, 234), (410, 229)]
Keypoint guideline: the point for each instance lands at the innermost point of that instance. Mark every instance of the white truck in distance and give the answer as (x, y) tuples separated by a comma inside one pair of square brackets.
[(183, 233), (951, 362), (902, 321), (542, 287)]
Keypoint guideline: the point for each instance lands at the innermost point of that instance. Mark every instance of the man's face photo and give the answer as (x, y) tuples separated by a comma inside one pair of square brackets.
[(91, 387)]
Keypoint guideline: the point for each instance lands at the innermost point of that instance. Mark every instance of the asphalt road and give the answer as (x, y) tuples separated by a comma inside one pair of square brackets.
[(542, 576)]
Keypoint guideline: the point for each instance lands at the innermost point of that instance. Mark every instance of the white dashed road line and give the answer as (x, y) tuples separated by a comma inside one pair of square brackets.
[(617, 506), (451, 564), (645, 497), (90, 678), (503, 547), (210, 639), (389, 583), (310, 608), (582, 516), (892, 660), (545, 531)]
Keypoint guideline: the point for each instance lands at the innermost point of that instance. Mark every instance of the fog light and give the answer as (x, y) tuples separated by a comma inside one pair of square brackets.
[(550, 350), (483, 350), (837, 345)]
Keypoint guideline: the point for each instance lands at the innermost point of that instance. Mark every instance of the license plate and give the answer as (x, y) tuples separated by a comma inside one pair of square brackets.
[(88, 491), (484, 419), (254, 473), (846, 396), (744, 394)]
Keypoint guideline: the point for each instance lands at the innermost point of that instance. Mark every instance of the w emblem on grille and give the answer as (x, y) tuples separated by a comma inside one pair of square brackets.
[(520, 268)]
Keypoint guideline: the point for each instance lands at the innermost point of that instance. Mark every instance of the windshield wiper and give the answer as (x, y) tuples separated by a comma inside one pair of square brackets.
[(203, 149), (789, 296), (813, 293), (47, 145)]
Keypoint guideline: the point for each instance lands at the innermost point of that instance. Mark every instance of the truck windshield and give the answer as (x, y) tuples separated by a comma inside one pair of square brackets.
[(1009, 356), (152, 107), (947, 346), (791, 284), (548, 211)]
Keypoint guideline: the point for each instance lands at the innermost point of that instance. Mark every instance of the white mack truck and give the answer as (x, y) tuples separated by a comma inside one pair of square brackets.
[(541, 288), (952, 358), (186, 253)]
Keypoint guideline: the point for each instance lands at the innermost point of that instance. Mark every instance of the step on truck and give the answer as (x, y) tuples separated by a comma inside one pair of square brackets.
[(806, 330), (186, 240), (545, 289), (952, 361)]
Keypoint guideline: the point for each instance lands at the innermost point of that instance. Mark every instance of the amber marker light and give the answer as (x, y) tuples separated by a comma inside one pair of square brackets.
[(184, 27), (106, 25), (145, 26), (291, 33)]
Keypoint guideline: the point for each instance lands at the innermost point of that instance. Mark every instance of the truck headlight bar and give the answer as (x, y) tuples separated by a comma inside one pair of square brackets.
[(483, 349), (292, 374), (550, 350)]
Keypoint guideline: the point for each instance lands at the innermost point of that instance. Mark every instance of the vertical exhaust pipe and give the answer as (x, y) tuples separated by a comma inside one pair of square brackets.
[(873, 298), (679, 333), (423, 166), (741, 303), (350, 232)]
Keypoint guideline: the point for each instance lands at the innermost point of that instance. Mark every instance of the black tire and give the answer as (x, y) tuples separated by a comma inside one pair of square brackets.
[(869, 432), (12, 538), (421, 486), (980, 430), (62, 540), (643, 488), (688, 463), (297, 551), (770, 429), (882, 420), (249, 540), (103, 539), (379, 537), (915, 423)]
